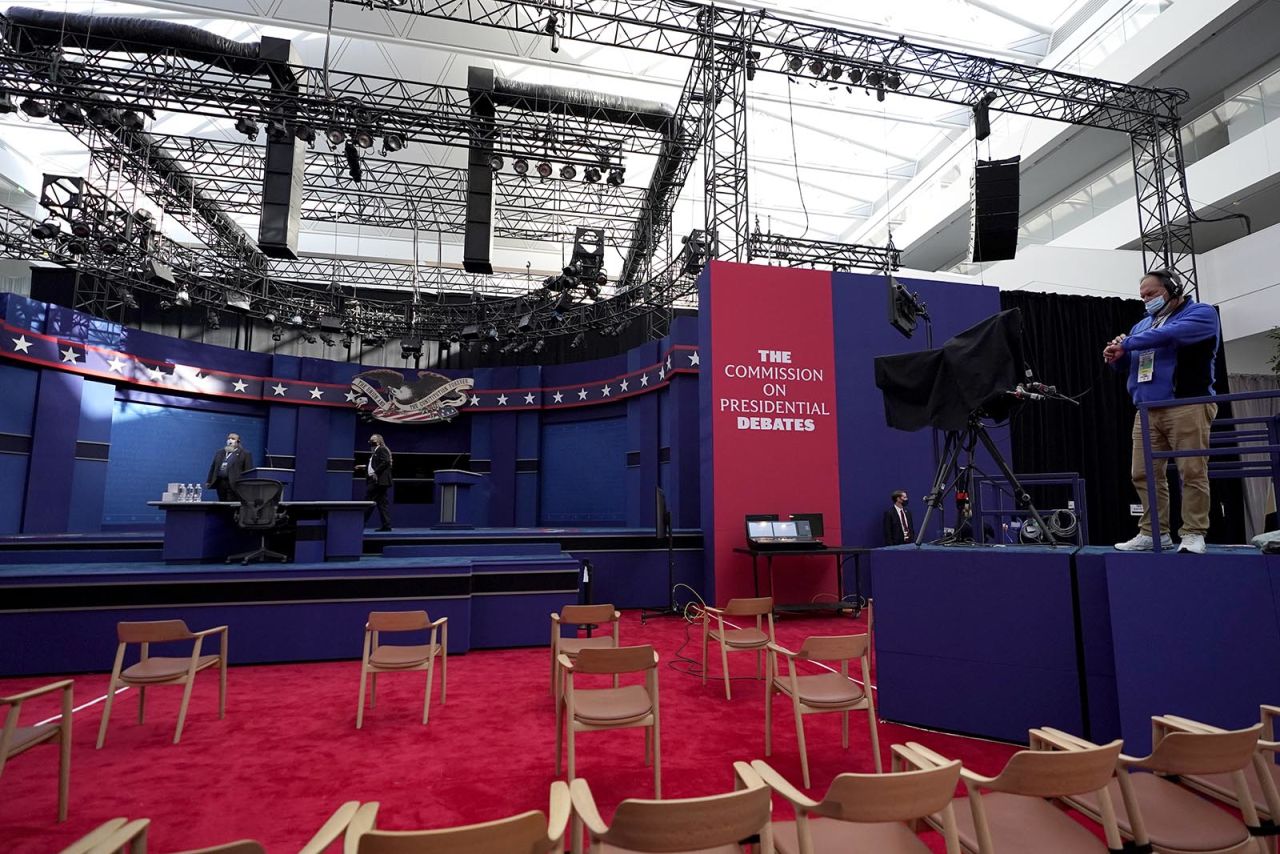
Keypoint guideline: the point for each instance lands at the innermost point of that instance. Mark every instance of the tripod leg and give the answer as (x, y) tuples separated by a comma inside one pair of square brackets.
[(1021, 496), (933, 500)]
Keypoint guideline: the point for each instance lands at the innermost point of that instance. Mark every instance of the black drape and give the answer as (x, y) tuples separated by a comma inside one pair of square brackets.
[(1063, 340)]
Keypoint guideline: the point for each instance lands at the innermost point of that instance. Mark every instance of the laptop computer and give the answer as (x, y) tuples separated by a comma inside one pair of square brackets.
[(780, 536)]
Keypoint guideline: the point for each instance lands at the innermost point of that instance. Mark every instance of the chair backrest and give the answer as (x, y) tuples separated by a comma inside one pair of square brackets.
[(398, 621), (900, 796), (243, 846), (749, 607), (622, 659), (834, 647), (1204, 752), (1058, 773), (520, 834), (259, 502), (153, 631), (690, 824), (581, 615)]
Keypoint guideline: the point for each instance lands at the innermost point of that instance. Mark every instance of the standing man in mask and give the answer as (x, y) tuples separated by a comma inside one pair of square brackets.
[(1170, 354), (898, 526), (378, 480), (229, 465)]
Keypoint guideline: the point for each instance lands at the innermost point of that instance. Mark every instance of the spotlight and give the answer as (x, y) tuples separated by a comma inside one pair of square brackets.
[(68, 114), (277, 332), (126, 296), (183, 297), (46, 230), (165, 305), (131, 120), (835, 72), (538, 345), (247, 126), (616, 176), (354, 169), (335, 136), (347, 342), (520, 165), (34, 108), (308, 337), (327, 340), (592, 175), (496, 163), (296, 320), (568, 172), (795, 64), (893, 80), (855, 76), (392, 142), (277, 130), (816, 67), (269, 317), (753, 59), (577, 340), (305, 133), (81, 228), (364, 139), (875, 79), (109, 246), (212, 320), (76, 246), (553, 30), (101, 114), (544, 169)]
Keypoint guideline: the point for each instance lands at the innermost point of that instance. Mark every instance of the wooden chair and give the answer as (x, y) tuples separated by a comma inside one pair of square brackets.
[(718, 823), (816, 693), (580, 615), (1014, 815), (1156, 812), (1263, 780), (16, 739), (869, 812), (590, 709), (390, 658), (157, 670), (119, 833), (737, 640), (532, 832)]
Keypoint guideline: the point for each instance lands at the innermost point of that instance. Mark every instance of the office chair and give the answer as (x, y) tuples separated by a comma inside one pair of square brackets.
[(259, 511)]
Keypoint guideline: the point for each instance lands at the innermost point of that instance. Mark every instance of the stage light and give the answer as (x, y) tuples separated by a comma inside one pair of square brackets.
[(81, 228), (46, 230), (591, 175), (577, 340), (131, 120), (308, 337), (538, 345), (165, 305), (6, 104), (327, 340), (183, 297), (354, 169), (816, 67), (126, 296), (753, 59), (212, 320), (568, 172), (553, 30), (34, 108), (277, 332), (855, 76), (893, 80), (109, 246), (277, 130), (875, 79), (835, 73), (544, 169), (67, 114), (392, 142), (347, 342), (101, 114), (304, 133), (520, 165), (247, 126), (364, 139), (269, 317), (617, 175), (795, 64), (335, 136)]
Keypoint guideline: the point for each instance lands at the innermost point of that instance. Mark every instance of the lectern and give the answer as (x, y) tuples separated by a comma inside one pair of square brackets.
[(463, 498)]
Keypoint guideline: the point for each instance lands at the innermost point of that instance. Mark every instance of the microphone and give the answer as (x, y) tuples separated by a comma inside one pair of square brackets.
[(1023, 393)]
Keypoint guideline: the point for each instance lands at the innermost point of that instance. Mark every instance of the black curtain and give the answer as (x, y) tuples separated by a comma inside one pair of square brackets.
[(1063, 340)]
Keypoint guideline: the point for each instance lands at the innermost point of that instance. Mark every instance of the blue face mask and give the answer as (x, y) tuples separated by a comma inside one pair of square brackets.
[(1154, 306)]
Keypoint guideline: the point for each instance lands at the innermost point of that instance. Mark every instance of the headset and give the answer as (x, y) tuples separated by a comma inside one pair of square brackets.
[(1170, 280)]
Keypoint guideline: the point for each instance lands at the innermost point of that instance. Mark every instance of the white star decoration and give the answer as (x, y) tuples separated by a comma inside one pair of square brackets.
[(557, 397), (502, 400), (21, 344), (693, 359), (351, 397), (315, 393), (528, 398), (644, 380), (662, 374), (668, 361), (240, 385), (582, 394), (117, 364), (278, 390), (155, 375), (70, 355), (622, 386), (604, 392), (475, 400)]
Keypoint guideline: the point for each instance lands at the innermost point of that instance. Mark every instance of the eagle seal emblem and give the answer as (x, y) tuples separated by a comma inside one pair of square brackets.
[(430, 397)]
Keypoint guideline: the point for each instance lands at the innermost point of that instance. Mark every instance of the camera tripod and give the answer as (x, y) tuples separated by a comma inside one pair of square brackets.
[(966, 441)]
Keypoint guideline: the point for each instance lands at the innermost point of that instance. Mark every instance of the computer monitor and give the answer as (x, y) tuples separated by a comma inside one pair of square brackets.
[(784, 529), (802, 528), (814, 520), (759, 529)]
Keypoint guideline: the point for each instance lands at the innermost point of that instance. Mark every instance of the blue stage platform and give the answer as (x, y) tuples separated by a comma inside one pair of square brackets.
[(992, 641)]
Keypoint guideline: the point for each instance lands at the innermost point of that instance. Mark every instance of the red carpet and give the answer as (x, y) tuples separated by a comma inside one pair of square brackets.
[(288, 752)]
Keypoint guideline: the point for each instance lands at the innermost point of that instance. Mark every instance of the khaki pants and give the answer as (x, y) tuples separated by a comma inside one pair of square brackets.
[(1176, 428)]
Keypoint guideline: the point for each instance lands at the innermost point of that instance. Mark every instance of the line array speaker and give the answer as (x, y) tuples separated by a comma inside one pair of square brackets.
[(993, 234), (477, 240)]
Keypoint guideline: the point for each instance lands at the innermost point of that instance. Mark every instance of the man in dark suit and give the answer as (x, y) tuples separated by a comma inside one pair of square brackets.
[(228, 466), (378, 481), (898, 527)]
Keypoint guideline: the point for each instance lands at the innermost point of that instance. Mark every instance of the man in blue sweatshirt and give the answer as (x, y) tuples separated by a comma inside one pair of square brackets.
[(1168, 355)]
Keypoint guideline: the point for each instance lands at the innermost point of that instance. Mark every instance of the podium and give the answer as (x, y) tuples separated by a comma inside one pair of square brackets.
[(463, 498), (285, 476)]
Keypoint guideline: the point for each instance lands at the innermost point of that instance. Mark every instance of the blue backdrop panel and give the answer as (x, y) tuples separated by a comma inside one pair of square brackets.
[(16, 417), (1096, 644), (1194, 636), (53, 452), (978, 641), (89, 475), (153, 446), (584, 468)]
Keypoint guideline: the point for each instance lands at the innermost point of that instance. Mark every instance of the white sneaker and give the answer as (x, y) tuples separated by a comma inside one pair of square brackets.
[(1145, 543), (1193, 543)]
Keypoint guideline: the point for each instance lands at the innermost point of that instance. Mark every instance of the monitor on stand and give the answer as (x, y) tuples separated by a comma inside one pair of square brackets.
[(662, 530)]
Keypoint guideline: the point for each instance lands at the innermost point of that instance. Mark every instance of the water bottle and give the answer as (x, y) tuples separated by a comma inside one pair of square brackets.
[(199, 492), (182, 492)]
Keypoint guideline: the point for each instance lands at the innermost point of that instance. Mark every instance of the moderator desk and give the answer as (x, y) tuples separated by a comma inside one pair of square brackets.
[(201, 531), (842, 554)]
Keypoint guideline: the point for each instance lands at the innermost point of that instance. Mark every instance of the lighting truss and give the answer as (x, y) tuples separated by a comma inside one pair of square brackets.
[(839, 256)]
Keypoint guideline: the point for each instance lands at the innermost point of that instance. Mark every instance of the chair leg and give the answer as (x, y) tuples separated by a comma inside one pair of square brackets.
[(757, 664), (704, 655), (426, 700), (804, 754), (573, 766), (875, 738), (768, 719), (724, 663), (222, 689), (373, 690), (444, 671), (657, 759), (844, 730), (360, 706), (559, 732), (182, 712), (64, 771), (106, 713), (142, 703), (648, 745)]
